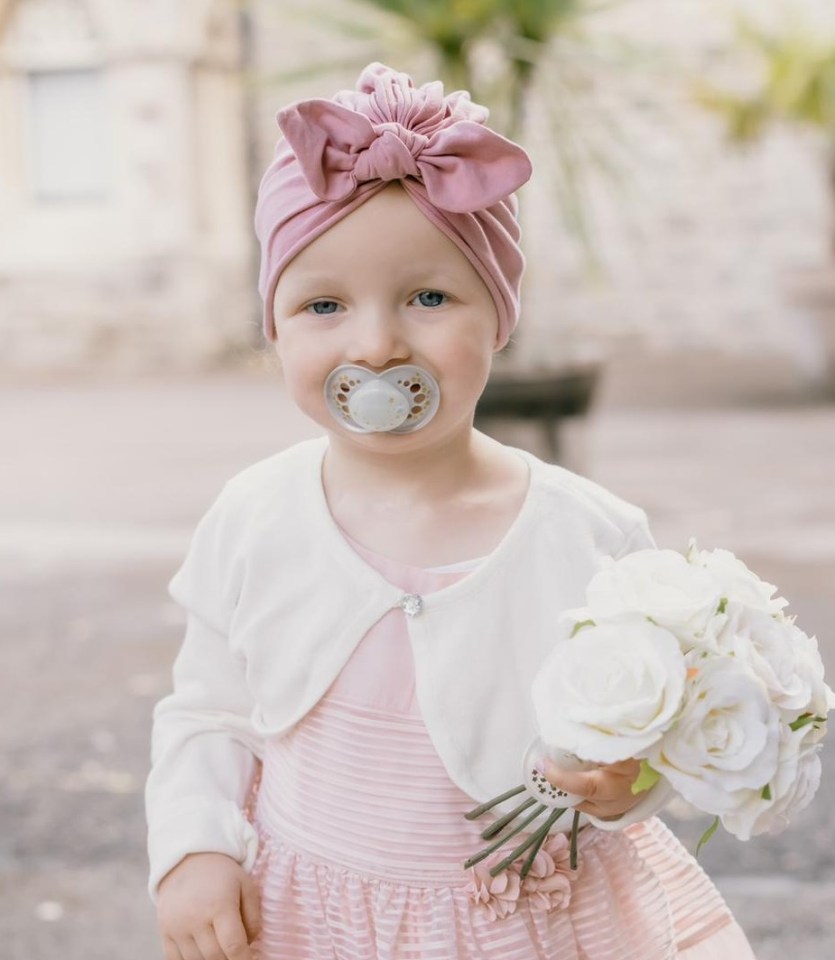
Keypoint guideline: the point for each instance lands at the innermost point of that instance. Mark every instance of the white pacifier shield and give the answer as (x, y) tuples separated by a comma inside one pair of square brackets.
[(377, 406), (399, 400), (536, 783)]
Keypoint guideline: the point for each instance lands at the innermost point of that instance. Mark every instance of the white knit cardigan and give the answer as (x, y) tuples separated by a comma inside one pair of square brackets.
[(276, 601)]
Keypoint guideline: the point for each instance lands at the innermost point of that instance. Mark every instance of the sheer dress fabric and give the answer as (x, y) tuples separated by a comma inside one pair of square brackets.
[(363, 839)]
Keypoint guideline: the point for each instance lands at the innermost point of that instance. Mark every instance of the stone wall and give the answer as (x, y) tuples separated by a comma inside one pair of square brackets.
[(702, 242), (700, 247), (153, 266)]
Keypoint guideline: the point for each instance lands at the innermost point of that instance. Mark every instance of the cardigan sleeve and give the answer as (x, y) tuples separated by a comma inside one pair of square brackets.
[(638, 538), (204, 749), (657, 797)]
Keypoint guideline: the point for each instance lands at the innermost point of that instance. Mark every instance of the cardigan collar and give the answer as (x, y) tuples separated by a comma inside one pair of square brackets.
[(328, 532)]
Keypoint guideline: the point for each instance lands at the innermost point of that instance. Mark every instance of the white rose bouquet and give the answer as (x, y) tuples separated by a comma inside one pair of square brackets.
[(689, 664)]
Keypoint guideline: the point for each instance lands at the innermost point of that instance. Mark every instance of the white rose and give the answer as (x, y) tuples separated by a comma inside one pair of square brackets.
[(708, 639), (800, 790), (792, 788), (795, 784), (610, 691), (809, 666), (777, 652), (659, 584), (725, 738), (735, 580)]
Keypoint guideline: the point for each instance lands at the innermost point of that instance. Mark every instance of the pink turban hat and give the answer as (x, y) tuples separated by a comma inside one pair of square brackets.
[(338, 153)]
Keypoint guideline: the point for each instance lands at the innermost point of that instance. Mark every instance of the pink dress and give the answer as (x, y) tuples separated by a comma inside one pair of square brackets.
[(363, 840)]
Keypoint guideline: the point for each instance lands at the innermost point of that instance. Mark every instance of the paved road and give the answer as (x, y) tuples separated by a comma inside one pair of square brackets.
[(100, 487)]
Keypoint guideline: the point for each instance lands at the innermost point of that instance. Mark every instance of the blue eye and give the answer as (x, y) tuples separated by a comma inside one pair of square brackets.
[(431, 298), (323, 308)]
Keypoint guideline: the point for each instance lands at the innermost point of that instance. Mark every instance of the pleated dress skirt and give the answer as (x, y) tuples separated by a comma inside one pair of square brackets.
[(363, 840)]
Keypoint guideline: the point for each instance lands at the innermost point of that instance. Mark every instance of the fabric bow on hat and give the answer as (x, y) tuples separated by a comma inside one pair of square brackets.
[(337, 154), (464, 166)]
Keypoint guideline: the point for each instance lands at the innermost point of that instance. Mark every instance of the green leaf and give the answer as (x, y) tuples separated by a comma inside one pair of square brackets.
[(646, 779), (707, 835), (804, 720), (796, 70), (766, 794), (579, 626), (723, 605)]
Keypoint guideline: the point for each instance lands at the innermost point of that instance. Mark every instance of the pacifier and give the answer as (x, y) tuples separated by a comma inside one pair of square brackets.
[(399, 400), (536, 783)]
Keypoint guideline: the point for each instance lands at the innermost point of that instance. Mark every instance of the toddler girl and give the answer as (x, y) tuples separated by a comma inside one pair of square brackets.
[(367, 610)]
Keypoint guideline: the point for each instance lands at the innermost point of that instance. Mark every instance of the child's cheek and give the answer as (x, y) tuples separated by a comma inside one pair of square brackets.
[(303, 380), (471, 359)]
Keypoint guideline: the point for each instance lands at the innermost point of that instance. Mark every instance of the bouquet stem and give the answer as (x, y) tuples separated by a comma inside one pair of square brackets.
[(575, 824), (477, 811), (494, 828), (503, 839), (531, 844), (538, 839)]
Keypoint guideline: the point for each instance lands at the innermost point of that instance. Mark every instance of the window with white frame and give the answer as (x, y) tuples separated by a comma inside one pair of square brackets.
[(68, 142)]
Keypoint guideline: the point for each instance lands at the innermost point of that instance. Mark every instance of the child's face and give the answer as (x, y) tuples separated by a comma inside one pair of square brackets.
[(380, 288)]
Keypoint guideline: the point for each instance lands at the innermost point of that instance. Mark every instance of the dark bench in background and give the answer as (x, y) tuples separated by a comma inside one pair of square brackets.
[(547, 399)]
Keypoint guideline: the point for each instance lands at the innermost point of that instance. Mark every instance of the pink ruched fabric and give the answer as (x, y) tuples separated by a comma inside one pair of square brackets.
[(337, 154), (363, 841)]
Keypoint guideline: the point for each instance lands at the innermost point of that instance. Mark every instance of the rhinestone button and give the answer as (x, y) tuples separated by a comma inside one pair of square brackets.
[(411, 604)]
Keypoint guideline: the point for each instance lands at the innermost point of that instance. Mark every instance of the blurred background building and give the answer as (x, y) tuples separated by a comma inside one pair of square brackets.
[(124, 207), (133, 138)]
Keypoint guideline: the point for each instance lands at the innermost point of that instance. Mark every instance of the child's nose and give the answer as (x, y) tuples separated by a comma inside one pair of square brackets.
[(378, 340)]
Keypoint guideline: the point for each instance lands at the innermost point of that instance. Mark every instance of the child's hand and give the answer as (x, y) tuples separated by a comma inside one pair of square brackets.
[(208, 909), (608, 789)]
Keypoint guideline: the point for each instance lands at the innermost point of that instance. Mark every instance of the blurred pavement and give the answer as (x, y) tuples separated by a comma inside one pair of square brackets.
[(100, 488)]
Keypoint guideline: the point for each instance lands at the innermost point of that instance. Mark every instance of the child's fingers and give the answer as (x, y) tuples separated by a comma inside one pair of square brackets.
[(207, 946), (607, 790), (170, 950), (251, 908), (581, 783), (625, 768), (231, 935), (602, 784), (187, 949)]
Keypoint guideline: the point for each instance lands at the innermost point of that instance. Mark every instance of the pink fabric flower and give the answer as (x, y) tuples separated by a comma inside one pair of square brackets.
[(547, 885), (558, 847), (496, 896), (549, 881)]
